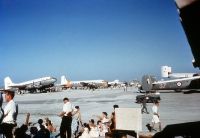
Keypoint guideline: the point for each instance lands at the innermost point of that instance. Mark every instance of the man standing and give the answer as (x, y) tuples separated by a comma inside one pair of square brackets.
[(112, 118), (10, 114), (66, 115), (144, 105)]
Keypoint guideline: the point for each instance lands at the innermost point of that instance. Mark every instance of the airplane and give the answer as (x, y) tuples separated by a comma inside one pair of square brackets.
[(116, 83), (40, 84), (150, 84), (189, 11), (91, 84)]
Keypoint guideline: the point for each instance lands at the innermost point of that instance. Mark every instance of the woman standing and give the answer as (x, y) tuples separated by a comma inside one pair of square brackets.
[(76, 121)]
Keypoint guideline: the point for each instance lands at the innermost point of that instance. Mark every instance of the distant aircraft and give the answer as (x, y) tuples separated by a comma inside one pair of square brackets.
[(91, 84), (116, 83), (40, 84)]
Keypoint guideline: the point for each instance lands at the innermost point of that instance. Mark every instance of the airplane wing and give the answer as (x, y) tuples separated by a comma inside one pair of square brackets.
[(189, 11), (18, 86), (26, 86), (177, 80)]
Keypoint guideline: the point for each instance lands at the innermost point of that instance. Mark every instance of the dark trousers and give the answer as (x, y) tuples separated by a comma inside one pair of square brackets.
[(7, 129), (144, 108), (66, 127)]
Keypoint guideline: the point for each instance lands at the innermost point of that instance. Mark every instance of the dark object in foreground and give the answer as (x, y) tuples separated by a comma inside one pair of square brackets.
[(150, 128), (186, 130), (189, 11), (151, 98), (120, 134)]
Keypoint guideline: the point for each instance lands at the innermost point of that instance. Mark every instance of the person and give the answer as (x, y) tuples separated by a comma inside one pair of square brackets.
[(112, 118), (43, 132), (86, 131), (125, 86), (21, 132), (76, 121), (33, 132), (112, 132), (100, 128), (66, 122), (46, 121), (105, 122), (156, 116), (10, 114), (40, 122), (105, 118), (94, 133), (50, 127), (144, 105)]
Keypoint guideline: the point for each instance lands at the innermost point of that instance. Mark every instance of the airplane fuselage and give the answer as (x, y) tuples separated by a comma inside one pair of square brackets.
[(181, 84)]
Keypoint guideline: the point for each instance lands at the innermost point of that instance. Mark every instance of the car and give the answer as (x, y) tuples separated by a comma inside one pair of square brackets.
[(151, 98)]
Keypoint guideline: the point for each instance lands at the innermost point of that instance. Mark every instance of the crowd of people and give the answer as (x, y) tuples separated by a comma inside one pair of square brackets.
[(71, 124)]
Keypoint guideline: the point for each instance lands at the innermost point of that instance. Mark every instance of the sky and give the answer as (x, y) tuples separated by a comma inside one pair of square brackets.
[(91, 39)]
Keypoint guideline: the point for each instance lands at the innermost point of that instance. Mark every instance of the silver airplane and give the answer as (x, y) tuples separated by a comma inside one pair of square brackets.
[(83, 83), (40, 84)]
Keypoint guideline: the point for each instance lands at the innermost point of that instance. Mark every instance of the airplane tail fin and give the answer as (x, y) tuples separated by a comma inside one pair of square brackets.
[(7, 82), (63, 80), (147, 82), (165, 71)]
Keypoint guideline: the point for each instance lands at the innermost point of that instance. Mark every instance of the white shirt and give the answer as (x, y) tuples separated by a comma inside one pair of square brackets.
[(67, 107), (94, 133), (155, 118), (85, 134), (105, 120), (9, 111), (155, 109)]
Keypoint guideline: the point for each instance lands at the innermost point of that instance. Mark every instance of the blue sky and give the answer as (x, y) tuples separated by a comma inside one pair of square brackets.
[(90, 39)]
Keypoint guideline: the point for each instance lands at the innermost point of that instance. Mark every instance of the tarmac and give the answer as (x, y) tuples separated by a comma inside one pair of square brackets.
[(174, 107)]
